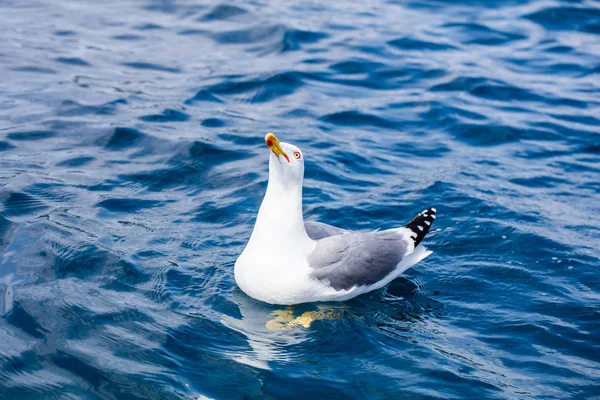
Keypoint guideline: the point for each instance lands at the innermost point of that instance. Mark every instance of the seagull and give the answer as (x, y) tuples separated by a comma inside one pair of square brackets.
[(290, 261)]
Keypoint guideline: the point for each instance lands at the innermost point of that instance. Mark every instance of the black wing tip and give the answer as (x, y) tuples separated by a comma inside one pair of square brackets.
[(420, 225)]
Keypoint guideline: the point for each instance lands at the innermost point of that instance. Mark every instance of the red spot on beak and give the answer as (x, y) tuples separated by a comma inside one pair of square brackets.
[(269, 142)]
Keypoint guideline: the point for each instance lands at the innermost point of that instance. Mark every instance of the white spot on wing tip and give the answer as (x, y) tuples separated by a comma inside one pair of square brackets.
[(420, 227), (427, 223), (433, 216), (433, 209)]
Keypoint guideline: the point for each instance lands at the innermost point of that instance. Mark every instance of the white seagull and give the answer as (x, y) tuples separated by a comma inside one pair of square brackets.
[(290, 261)]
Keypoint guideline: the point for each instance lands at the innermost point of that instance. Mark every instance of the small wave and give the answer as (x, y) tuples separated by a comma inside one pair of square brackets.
[(122, 138), (73, 61), (30, 135), (128, 205), (409, 43), (152, 67), (76, 162), (168, 115), (256, 90), (568, 18), (472, 33), (226, 12), (213, 123), (18, 203)]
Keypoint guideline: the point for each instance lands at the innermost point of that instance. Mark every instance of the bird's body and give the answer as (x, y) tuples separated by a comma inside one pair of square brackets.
[(288, 261)]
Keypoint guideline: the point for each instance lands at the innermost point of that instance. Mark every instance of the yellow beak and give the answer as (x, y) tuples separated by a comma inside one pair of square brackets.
[(275, 146)]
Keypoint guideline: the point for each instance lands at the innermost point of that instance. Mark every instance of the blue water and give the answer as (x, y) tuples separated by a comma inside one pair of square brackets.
[(132, 165)]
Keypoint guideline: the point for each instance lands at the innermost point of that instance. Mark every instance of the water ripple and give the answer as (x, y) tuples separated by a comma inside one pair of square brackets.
[(133, 164)]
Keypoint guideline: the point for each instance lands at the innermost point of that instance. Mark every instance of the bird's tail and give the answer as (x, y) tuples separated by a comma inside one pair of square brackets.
[(420, 225)]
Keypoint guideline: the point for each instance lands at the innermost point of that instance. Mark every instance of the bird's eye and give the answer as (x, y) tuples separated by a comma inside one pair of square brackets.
[(297, 155)]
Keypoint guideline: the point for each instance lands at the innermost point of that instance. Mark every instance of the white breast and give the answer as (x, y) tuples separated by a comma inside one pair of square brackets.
[(275, 280)]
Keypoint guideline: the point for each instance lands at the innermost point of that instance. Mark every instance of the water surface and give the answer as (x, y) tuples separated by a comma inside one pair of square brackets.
[(132, 165)]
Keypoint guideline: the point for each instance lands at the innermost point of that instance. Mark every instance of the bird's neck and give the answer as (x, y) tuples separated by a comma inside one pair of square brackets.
[(280, 220)]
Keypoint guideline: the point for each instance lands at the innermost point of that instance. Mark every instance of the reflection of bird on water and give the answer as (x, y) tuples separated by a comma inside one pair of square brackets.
[(286, 320), (274, 333), (268, 340), (289, 261)]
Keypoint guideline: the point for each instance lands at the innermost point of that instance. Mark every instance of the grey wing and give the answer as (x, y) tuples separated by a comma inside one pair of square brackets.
[(357, 258), (318, 230)]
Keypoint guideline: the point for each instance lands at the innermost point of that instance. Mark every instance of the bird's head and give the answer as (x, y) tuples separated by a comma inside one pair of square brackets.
[(286, 165)]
